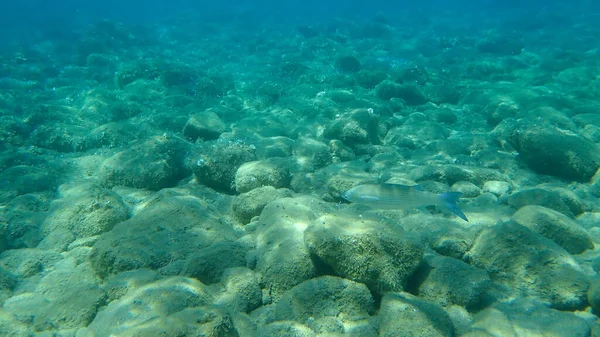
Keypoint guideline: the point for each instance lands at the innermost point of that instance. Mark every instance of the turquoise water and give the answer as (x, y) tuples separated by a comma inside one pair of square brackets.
[(177, 169)]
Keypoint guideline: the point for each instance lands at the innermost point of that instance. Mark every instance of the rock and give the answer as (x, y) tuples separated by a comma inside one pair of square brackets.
[(377, 254), (26, 263), (84, 214), (530, 265), (267, 172), (21, 221), (450, 241), (594, 295), (500, 110), (551, 116), (325, 296), (248, 205), (170, 228), (556, 227), (500, 45), (402, 314), (360, 126), (66, 297), (369, 79), (447, 281), (274, 147), (415, 135), (282, 258), (154, 163), (524, 318), (552, 151), (216, 162), (286, 329), (468, 189), (205, 321), (12, 326), (179, 301), (387, 90), (208, 264), (21, 179), (348, 64), (451, 174), (204, 125), (496, 187), (240, 291), (313, 154), (7, 279), (8, 282), (118, 285), (556, 198)]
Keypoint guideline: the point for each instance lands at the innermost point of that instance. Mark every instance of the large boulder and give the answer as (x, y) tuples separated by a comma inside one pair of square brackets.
[(170, 228), (556, 227), (530, 265), (378, 254), (449, 281), (153, 303), (552, 151), (281, 256), (402, 314), (325, 296), (527, 318), (155, 163)]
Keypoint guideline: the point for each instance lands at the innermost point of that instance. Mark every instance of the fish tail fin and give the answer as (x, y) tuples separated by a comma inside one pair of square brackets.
[(449, 200)]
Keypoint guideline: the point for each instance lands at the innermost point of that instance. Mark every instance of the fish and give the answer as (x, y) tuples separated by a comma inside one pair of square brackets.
[(396, 196)]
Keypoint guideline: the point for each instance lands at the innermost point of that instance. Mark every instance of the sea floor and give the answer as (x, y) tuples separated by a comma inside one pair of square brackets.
[(186, 180)]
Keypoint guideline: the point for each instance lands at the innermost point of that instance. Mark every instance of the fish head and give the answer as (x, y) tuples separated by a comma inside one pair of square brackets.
[(346, 195)]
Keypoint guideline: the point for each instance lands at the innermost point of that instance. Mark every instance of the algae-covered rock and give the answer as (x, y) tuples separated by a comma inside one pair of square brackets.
[(21, 221), (154, 163), (526, 318), (205, 321), (209, 264), (150, 303), (557, 198), (204, 125), (530, 265), (449, 281), (348, 63), (281, 256), (556, 227), (412, 95), (13, 326), (552, 151), (402, 314), (82, 214), (286, 329), (594, 295), (325, 296), (118, 285), (267, 172), (451, 174), (250, 204), (8, 282), (378, 254), (22, 179), (216, 162), (240, 291), (360, 126), (65, 297), (312, 153), (170, 228)]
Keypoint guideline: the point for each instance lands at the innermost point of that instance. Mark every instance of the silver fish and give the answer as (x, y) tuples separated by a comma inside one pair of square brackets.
[(394, 196)]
